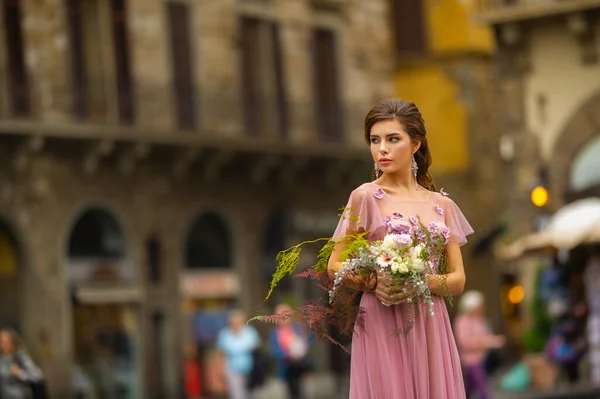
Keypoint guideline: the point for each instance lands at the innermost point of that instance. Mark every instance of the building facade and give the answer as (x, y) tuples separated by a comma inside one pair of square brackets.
[(155, 155), (548, 100)]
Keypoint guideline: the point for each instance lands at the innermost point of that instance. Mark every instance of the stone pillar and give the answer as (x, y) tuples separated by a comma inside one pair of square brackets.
[(150, 63), (215, 25), (296, 50), (46, 42)]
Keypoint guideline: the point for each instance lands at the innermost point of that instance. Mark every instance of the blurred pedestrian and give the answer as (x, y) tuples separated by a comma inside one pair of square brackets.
[(18, 373), (237, 341), (193, 388), (474, 339), (289, 345)]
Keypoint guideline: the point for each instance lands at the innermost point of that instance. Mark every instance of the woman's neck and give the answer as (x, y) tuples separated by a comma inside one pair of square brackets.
[(400, 183)]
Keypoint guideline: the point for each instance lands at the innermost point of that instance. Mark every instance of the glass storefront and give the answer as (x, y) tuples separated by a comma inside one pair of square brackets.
[(106, 351)]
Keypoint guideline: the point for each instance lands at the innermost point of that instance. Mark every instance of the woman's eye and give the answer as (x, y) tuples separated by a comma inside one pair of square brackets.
[(394, 139), (374, 140)]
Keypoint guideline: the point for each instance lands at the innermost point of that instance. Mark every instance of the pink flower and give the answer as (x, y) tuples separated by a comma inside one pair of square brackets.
[(446, 233), (379, 193), (397, 215), (432, 228), (439, 210)]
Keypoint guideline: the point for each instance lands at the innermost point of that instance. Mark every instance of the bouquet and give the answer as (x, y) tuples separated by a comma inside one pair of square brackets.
[(403, 256), (409, 254)]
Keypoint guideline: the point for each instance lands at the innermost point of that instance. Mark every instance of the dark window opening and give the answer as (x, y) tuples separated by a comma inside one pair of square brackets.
[(181, 56), (17, 72), (328, 109), (263, 85), (409, 27), (96, 235), (208, 244), (122, 62)]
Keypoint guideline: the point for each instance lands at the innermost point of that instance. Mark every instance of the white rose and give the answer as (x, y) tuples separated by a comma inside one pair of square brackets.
[(402, 267), (417, 265)]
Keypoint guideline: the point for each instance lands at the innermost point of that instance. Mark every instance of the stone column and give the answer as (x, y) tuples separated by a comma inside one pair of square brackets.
[(150, 63), (215, 32), (46, 42)]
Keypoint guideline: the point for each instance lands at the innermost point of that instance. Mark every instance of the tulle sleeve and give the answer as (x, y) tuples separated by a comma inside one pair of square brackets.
[(355, 216), (457, 222)]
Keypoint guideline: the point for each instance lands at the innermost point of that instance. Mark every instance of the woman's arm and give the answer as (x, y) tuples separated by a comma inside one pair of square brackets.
[(453, 282)]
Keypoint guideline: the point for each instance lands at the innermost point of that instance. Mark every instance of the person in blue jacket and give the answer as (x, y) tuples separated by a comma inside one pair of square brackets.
[(289, 343)]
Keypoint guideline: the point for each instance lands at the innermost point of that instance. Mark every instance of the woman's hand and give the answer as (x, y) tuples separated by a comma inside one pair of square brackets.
[(358, 282), (17, 372), (389, 293)]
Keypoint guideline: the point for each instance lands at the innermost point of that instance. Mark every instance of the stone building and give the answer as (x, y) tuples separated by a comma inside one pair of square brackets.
[(548, 102), (155, 155)]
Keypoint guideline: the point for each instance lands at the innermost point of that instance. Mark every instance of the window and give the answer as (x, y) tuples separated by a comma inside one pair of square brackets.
[(208, 244), (122, 67), (17, 73), (102, 84), (263, 78), (409, 27), (328, 110), (96, 235), (182, 63)]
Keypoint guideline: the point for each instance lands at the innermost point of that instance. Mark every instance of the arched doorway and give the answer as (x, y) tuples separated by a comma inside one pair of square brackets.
[(210, 288), (584, 174), (574, 151), (104, 303), (11, 279)]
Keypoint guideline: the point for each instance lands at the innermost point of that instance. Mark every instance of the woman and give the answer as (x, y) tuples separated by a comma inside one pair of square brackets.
[(424, 362), (237, 343), (289, 346), (474, 340), (17, 370)]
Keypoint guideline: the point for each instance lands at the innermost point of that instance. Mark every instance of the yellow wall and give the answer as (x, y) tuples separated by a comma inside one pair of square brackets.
[(452, 32), (8, 257), (451, 27), (445, 117)]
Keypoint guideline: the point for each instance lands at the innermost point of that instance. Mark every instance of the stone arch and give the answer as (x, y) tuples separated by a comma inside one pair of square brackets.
[(582, 126)]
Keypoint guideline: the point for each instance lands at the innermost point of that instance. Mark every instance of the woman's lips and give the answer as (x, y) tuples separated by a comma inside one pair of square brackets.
[(385, 161)]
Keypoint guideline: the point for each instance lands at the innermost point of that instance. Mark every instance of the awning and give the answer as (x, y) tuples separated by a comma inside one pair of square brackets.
[(575, 224)]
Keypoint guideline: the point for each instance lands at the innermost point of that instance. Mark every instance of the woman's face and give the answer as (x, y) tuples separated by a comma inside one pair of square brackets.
[(391, 147), (6, 342)]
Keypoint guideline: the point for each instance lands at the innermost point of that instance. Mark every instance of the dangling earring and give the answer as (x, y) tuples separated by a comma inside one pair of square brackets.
[(415, 168), (377, 170)]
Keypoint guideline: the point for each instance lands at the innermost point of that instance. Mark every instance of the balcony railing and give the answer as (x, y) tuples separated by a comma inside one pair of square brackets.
[(498, 11), (95, 105)]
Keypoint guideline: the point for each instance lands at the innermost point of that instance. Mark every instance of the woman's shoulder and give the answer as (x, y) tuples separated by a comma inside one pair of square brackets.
[(442, 198)]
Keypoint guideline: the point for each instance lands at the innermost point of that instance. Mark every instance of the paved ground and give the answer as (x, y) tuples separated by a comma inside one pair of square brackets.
[(324, 387)]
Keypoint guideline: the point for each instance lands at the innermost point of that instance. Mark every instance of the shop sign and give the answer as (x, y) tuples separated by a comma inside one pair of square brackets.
[(209, 284), (101, 271)]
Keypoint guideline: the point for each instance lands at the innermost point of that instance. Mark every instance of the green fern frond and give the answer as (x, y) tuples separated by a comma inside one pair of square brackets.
[(287, 262)]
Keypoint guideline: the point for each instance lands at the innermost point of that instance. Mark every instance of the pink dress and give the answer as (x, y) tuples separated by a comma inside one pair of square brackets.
[(424, 362)]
